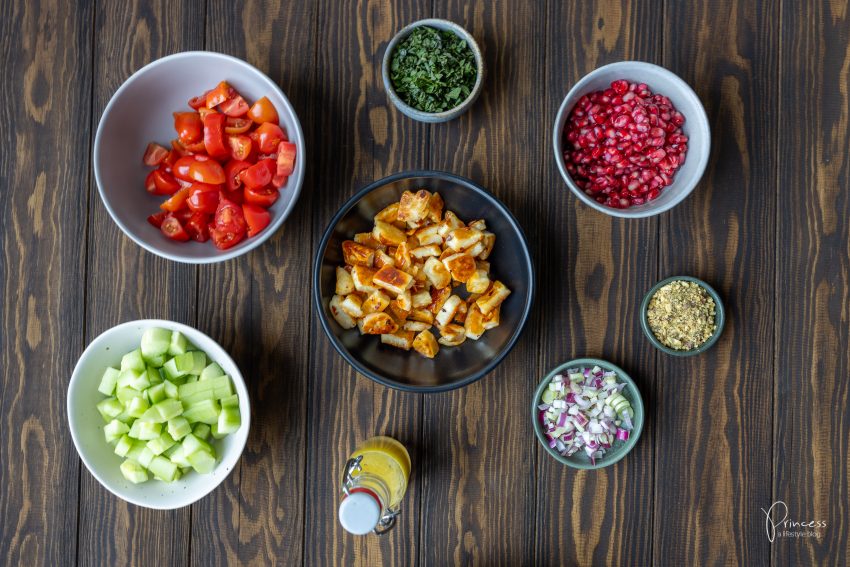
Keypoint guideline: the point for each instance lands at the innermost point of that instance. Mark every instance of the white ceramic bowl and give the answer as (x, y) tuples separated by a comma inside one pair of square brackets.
[(87, 425), (140, 111), (686, 101)]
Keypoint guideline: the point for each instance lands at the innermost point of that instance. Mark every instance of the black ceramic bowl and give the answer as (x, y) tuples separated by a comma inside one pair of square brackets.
[(453, 367)]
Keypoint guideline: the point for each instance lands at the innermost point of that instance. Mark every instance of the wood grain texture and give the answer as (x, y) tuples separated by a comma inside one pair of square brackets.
[(812, 396), (127, 283), (262, 318), (46, 60), (714, 410), (596, 269), (478, 464), (370, 140)]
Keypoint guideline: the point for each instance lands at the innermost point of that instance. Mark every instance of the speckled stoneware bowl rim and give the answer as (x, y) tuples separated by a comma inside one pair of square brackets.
[(719, 317), (415, 113), (633, 396)]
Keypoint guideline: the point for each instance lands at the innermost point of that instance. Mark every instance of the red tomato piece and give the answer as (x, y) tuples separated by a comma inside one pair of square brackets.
[(164, 182), (172, 228), (183, 215), (235, 106), (157, 218), (199, 168), (219, 94), (177, 201), (237, 125), (285, 163), (199, 101), (237, 196), (240, 147), (169, 160), (256, 217), (203, 198), (261, 196), (230, 226), (269, 136), (198, 227), (178, 147), (214, 136), (263, 111), (154, 154), (260, 174), (189, 127), (232, 169)]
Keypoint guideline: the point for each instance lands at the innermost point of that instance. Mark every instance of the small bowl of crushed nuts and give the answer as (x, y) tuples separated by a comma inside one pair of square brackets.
[(682, 316)]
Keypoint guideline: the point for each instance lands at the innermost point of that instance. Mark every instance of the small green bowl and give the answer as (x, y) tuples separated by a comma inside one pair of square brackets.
[(719, 317), (619, 450)]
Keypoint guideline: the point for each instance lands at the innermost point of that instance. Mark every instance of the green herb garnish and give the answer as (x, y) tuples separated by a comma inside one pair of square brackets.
[(433, 70)]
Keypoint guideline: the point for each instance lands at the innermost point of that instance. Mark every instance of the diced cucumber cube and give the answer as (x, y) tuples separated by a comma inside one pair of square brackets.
[(201, 431), (133, 361), (127, 377), (137, 407), (155, 343), (124, 395), (178, 345), (172, 372), (198, 396), (202, 462), (114, 430), (163, 469), (156, 393), (203, 386), (156, 361), (133, 472), (191, 444), (211, 371), (110, 408), (148, 430), (154, 377), (125, 417), (229, 421), (145, 457), (214, 432), (199, 361), (178, 427), (179, 381), (108, 382), (224, 391), (124, 445), (205, 411), (160, 444), (170, 389), (163, 411), (230, 401), (191, 378), (136, 450), (178, 456)]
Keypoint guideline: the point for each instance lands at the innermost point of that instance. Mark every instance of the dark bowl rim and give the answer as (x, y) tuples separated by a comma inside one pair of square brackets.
[(317, 296)]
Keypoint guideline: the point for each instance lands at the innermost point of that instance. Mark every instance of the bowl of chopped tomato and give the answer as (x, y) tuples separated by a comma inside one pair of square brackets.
[(199, 157)]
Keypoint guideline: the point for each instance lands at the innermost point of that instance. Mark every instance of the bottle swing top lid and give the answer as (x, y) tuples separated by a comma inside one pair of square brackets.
[(360, 511)]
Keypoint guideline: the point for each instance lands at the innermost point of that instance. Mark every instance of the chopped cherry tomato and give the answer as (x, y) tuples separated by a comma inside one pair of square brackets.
[(263, 111), (230, 226), (169, 160), (150, 184), (198, 227), (199, 168), (214, 136), (235, 106), (172, 228), (157, 218), (164, 182), (154, 154), (199, 101), (269, 136), (232, 169), (256, 217), (224, 240), (261, 196), (203, 198), (240, 147), (237, 125), (219, 94), (285, 163), (189, 127), (178, 147), (204, 112), (183, 215), (177, 201), (237, 196), (260, 174)]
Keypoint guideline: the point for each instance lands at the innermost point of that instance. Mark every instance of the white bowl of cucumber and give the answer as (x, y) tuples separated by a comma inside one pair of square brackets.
[(159, 413)]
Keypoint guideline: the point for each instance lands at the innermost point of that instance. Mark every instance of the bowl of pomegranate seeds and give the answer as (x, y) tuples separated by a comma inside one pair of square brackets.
[(631, 139)]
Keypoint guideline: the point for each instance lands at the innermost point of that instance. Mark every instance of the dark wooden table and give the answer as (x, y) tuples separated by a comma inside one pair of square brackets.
[(761, 417)]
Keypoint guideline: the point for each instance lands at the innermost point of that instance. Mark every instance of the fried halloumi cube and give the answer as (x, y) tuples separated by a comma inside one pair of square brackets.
[(483, 265), (388, 214), (450, 223), (438, 298), (400, 315), (478, 224), (489, 240), (375, 303), (366, 239), (353, 305), (357, 254), (491, 320), (344, 319), (479, 282), (421, 299), (344, 283), (421, 252), (494, 297), (362, 277), (383, 259), (452, 335), (388, 234), (402, 257), (425, 344), (429, 235), (415, 326), (462, 238), (435, 208), (400, 339), (448, 310), (476, 249), (437, 273), (462, 310), (421, 315), (474, 324), (404, 300), (378, 324), (393, 280), (461, 266), (413, 207)]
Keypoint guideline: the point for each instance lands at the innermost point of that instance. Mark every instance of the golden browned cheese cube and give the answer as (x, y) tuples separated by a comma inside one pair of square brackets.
[(421, 299), (450, 223), (377, 301), (378, 324), (479, 282), (438, 298), (435, 208), (437, 273), (400, 339), (388, 214), (393, 280), (489, 240), (476, 249), (400, 315), (344, 319), (421, 252), (416, 326), (478, 224), (404, 300), (462, 238), (425, 344), (362, 277), (452, 335), (429, 235), (344, 283), (461, 266), (413, 208), (388, 234), (474, 324), (366, 239), (402, 257), (422, 315), (494, 297), (353, 305), (383, 259), (483, 265), (462, 310), (357, 254), (491, 320), (447, 311)]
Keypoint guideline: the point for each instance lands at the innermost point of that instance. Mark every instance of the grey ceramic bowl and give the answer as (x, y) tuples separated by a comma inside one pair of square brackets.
[(686, 101), (620, 449), (453, 367), (719, 317), (433, 116)]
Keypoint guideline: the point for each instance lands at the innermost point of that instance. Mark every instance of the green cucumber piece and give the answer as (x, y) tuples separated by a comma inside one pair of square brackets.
[(108, 382), (136, 450), (201, 431), (134, 472), (191, 378), (124, 445), (202, 462), (163, 469), (178, 427), (230, 401), (229, 421), (160, 444), (114, 430), (191, 445), (133, 361), (156, 393), (155, 342), (163, 411), (198, 396), (148, 430), (137, 407), (127, 377), (178, 456), (202, 386), (211, 371), (172, 372), (214, 432), (124, 395), (154, 377), (199, 361), (170, 389), (145, 457), (179, 344), (110, 408), (205, 411), (224, 391)]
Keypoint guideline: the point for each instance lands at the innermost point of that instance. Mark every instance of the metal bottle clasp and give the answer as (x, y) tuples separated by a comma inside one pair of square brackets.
[(387, 521)]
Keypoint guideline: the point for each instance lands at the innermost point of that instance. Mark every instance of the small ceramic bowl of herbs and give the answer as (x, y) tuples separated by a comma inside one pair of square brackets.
[(587, 413), (682, 316), (433, 70)]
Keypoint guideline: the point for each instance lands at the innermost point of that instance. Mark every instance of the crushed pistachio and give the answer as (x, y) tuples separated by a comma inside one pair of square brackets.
[(681, 315)]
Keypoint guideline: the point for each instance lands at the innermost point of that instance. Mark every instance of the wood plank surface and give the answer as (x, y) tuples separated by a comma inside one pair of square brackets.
[(604, 267), (714, 414), (812, 396), (127, 283), (45, 55)]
